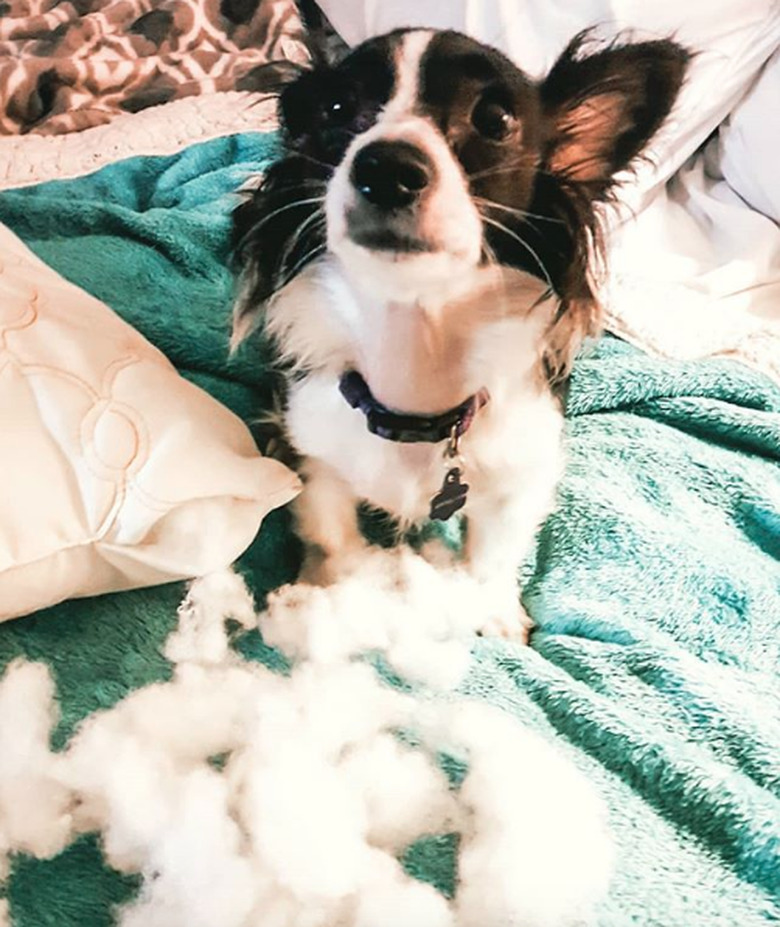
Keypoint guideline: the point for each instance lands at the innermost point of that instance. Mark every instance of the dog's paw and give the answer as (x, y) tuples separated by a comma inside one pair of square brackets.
[(512, 622)]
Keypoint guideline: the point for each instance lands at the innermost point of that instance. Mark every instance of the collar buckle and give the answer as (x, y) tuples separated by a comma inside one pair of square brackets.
[(453, 444)]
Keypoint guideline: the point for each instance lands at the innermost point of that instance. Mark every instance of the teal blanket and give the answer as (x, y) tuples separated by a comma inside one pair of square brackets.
[(655, 585)]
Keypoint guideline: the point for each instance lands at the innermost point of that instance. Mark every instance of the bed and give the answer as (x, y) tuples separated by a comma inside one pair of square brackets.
[(654, 586)]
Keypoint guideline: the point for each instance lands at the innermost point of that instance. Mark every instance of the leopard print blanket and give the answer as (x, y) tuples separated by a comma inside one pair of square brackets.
[(68, 65)]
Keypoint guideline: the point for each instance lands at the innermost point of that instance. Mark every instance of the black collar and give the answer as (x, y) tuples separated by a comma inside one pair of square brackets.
[(402, 426)]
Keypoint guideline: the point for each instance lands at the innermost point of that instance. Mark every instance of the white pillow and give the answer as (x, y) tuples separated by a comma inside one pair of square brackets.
[(732, 39), (115, 472), (750, 140)]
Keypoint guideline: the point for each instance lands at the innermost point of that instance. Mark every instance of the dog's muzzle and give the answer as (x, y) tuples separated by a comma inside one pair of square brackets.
[(391, 179)]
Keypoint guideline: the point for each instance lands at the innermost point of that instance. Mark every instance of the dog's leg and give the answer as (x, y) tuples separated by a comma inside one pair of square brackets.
[(326, 516), (500, 533)]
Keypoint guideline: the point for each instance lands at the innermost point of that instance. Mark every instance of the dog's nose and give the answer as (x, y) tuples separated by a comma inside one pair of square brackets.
[(391, 175)]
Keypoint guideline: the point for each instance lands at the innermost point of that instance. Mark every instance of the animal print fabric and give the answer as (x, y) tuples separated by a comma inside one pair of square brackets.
[(68, 65)]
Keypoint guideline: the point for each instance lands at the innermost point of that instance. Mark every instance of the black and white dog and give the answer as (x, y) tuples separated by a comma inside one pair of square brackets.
[(422, 259)]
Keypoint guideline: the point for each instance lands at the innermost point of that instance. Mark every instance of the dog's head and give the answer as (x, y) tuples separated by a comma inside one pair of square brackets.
[(424, 155)]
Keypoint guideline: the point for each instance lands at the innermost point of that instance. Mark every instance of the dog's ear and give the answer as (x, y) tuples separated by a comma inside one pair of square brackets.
[(602, 108)]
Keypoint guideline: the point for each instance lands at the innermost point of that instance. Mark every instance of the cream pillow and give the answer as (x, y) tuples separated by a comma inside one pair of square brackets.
[(115, 472)]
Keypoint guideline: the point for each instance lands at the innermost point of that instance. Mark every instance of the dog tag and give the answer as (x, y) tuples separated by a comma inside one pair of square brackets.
[(451, 497)]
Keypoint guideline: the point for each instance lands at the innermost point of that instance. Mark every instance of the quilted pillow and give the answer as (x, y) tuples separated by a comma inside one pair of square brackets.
[(116, 472)]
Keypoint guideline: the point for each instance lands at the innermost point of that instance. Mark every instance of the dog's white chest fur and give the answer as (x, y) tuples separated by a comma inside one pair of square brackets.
[(416, 357)]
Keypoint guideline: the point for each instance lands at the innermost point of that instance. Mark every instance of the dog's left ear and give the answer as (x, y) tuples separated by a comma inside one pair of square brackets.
[(601, 109)]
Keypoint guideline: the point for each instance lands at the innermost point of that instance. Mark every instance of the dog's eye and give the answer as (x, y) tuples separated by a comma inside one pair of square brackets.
[(339, 110), (491, 118)]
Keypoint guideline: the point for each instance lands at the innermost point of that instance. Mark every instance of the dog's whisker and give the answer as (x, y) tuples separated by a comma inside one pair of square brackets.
[(308, 201), (490, 254), (483, 214), (312, 160), (519, 158), (311, 224), (520, 213), (503, 168), (310, 182), (249, 192), (524, 244), (301, 262)]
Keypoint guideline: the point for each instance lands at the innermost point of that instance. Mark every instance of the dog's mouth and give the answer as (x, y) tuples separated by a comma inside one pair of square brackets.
[(391, 242), (387, 233)]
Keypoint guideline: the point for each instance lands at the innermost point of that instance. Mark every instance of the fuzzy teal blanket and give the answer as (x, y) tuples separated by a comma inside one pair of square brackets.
[(655, 585)]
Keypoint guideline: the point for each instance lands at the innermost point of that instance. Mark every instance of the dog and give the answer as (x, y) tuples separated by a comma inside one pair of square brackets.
[(422, 257)]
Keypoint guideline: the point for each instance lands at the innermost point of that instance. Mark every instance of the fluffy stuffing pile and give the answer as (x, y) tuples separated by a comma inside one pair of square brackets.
[(247, 797)]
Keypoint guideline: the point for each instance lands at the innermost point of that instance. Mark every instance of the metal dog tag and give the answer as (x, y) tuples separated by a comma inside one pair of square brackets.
[(451, 497)]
